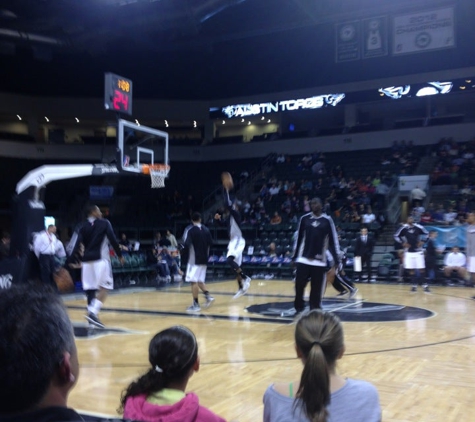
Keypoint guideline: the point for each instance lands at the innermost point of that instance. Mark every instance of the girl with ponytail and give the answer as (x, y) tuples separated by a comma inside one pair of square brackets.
[(321, 395), (159, 394)]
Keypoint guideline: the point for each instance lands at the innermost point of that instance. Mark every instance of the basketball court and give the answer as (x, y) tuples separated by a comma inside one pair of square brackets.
[(417, 348)]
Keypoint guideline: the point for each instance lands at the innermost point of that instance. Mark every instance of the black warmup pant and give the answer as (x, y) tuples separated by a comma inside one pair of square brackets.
[(342, 283), (317, 276), (47, 267)]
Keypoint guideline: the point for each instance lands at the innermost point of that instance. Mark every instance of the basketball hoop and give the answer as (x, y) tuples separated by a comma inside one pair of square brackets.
[(158, 173)]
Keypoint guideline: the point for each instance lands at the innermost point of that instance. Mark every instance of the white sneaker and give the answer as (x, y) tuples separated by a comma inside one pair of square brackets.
[(209, 301), (193, 308), (246, 284), (239, 293), (353, 293)]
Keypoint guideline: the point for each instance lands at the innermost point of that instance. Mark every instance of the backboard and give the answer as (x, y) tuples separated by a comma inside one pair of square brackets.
[(139, 145)]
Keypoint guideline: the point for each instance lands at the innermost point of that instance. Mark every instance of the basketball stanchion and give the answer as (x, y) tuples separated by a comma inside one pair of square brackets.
[(158, 174)]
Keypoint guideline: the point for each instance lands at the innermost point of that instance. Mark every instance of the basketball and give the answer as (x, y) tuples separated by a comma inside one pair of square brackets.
[(227, 180), (63, 280)]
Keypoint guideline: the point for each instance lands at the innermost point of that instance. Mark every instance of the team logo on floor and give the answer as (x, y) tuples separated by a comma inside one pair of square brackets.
[(350, 311), (85, 331)]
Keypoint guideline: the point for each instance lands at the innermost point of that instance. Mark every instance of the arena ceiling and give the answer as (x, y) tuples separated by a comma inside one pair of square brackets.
[(199, 49)]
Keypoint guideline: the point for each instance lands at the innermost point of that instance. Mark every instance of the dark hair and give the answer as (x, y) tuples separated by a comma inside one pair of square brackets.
[(319, 337), (90, 209), (196, 216), (172, 353), (35, 331)]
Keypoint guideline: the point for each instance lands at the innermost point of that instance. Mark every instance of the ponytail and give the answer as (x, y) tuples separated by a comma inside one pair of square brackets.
[(319, 339), (172, 354), (148, 383), (314, 389)]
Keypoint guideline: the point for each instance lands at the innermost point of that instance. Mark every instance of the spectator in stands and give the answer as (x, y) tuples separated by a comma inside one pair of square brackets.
[(163, 241), (417, 212), (380, 195), (38, 357), (306, 204), (417, 195), (5, 246), (450, 216), (156, 241), (368, 217), (306, 162), (172, 239), (455, 261), (244, 175), (327, 209), (426, 218), (280, 159), (264, 192), (124, 243), (167, 266), (276, 219), (272, 250), (306, 187), (274, 190), (321, 394), (319, 167), (159, 394), (466, 190), (438, 215)]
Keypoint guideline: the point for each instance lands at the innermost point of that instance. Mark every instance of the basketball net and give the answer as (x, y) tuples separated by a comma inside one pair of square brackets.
[(158, 173)]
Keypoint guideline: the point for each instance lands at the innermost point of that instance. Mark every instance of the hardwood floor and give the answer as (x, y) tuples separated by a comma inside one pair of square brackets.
[(424, 368)]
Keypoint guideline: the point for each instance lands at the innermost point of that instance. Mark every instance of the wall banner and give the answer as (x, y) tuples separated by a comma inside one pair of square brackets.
[(424, 31)]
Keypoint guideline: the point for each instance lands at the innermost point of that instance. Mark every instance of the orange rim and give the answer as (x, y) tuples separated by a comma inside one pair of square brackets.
[(147, 167)]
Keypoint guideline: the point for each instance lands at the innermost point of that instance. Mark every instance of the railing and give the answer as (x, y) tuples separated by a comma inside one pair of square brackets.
[(394, 204)]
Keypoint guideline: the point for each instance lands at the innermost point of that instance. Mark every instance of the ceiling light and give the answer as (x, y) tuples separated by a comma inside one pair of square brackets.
[(468, 80), (248, 123), (262, 118), (194, 123), (224, 122), (19, 117), (462, 87), (137, 122), (77, 120), (268, 121), (242, 120), (46, 119)]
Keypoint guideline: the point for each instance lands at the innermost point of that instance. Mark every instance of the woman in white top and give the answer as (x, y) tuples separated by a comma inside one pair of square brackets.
[(321, 395)]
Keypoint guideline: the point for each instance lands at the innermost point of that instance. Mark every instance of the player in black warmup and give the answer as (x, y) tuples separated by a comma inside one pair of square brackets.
[(95, 234), (316, 235), (410, 236), (197, 242)]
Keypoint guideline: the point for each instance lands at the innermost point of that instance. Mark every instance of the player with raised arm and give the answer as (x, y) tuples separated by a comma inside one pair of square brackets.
[(409, 235), (236, 240)]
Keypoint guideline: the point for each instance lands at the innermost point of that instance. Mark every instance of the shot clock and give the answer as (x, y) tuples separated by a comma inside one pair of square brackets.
[(118, 94)]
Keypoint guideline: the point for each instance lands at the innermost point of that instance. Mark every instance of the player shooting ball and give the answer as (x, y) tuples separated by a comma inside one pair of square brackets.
[(236, 240)]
